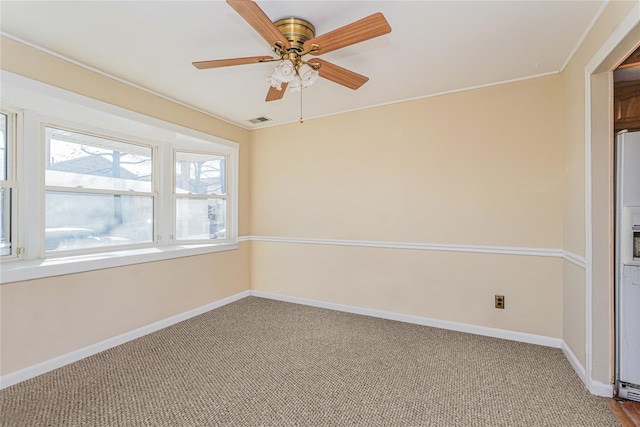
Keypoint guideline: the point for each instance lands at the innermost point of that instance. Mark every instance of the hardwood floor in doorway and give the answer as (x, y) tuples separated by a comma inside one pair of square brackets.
[(626, 411)]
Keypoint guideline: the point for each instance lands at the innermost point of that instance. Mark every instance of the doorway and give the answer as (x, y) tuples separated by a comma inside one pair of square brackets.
[(626, 101), (600, 202)]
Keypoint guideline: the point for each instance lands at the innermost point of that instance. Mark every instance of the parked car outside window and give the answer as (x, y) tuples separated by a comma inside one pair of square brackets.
[(67, 238)]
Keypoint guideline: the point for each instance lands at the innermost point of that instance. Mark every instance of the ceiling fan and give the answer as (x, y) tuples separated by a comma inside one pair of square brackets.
[(293, 38)]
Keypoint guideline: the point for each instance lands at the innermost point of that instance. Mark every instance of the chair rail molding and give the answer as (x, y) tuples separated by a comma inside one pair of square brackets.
[(504, 250)]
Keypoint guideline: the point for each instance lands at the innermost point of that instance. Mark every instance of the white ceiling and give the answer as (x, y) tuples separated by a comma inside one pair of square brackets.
[(434, 47)]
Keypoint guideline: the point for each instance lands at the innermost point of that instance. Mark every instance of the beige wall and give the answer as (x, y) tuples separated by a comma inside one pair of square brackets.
[(574, 309), (574, 212), (450, 286), (45, 318), (480, 167)]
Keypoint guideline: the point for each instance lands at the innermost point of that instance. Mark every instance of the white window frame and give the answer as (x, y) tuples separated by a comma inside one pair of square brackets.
[(11, 183), (108, 135), (43, 105), (175, 196)]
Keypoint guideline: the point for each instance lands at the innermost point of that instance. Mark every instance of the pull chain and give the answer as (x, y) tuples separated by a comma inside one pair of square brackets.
[(301, 89)]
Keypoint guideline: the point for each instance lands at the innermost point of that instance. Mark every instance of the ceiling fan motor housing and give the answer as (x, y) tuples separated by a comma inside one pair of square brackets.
[(296, 30)]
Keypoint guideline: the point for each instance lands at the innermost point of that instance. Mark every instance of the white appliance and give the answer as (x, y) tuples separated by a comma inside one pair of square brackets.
[(628, 265)]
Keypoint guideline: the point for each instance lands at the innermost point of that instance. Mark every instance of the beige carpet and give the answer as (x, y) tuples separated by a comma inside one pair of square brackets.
[(258, 362)]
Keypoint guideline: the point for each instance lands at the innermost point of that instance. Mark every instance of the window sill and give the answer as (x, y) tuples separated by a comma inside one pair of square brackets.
[(18, 271)]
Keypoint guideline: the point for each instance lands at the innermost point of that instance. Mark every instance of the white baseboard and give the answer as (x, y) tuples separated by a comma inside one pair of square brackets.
[(74, 356), (601, 389), (575, 363), (425, 321), (597, 388)]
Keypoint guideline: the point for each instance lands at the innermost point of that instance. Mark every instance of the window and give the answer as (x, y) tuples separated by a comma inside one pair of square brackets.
[(98, 191), (8, 189), (200, 196), (92, 185)]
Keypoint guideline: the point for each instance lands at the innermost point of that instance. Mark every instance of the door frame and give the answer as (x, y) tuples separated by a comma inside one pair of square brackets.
[(599, 203)]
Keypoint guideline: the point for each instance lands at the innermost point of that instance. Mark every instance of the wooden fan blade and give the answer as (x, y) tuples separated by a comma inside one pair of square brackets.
[(260, 22), (217, 63), (367, 28), (275, 94), (340, 75)]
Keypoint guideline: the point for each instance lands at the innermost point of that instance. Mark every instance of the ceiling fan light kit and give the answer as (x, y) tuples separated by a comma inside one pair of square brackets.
[(297, 73), (307, 74), (285, 72), (291, 39)]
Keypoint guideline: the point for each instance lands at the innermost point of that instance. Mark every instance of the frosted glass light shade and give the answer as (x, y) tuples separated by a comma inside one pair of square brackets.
[(285, 71), (307, 74), (295, 85)]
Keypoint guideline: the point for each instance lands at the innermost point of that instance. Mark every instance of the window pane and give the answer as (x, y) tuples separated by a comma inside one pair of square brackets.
[(5, 221), (77, 160), (200, 174), (3, 147), (200, 219), (76, 221)]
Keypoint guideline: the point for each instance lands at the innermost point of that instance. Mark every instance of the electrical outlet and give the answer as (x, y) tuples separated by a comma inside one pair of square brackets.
[(499, 301)]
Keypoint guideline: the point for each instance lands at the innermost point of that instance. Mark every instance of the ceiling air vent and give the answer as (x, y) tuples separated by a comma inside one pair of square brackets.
[(259, 120)]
